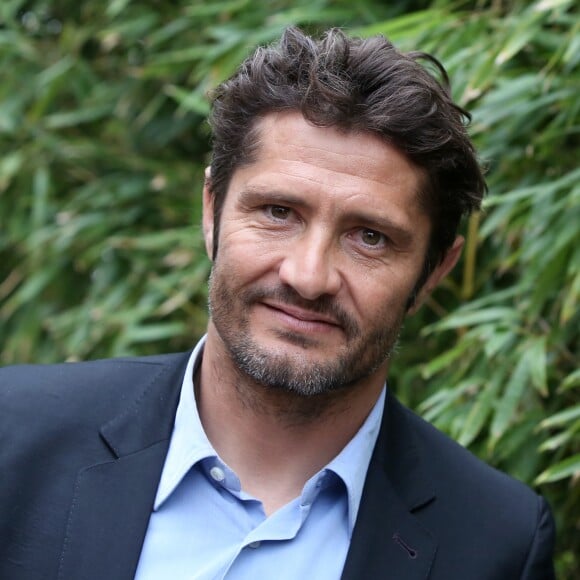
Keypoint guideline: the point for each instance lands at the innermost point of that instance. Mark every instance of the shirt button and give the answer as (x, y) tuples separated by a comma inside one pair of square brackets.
[(255, 544), (217, 473)]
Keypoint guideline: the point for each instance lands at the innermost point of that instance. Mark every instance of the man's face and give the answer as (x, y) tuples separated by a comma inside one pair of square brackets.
[(322, 240)]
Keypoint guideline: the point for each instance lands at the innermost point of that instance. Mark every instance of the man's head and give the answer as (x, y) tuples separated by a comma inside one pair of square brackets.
[(356, 86), (341, 170)]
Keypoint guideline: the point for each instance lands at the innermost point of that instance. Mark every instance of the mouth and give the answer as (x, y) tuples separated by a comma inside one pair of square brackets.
[(308, 319)]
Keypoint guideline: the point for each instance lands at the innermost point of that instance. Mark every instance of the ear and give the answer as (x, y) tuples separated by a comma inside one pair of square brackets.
[(208, 213), (441, 270)]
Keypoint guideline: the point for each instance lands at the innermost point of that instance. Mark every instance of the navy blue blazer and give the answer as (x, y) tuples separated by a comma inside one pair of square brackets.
[(82, 447)]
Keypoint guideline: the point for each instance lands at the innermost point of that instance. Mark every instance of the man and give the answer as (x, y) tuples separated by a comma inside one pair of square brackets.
[(340, 172)]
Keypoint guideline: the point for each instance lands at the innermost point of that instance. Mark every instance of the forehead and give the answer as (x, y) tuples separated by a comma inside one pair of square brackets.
[(288, 136), (288, 133), (332, 168)]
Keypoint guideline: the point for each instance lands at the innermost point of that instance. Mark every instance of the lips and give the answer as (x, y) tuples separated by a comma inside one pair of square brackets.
[(302, 314)]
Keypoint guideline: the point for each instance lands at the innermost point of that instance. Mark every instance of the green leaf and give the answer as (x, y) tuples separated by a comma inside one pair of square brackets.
[(55, 71), (10, 165), (41, 186), (115, 7), (571, 301), (435, 406), (572, 381), (404, 26), (507, 406), (152, 332), (479, 413), (78, 117), (538, 363), (556, 442), (188, 100), (569, 467), (561, 418), (467, 318), (447, 358), (515, 43)]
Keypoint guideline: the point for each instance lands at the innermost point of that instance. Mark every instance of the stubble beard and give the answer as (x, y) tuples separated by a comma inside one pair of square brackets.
[(295, 373)]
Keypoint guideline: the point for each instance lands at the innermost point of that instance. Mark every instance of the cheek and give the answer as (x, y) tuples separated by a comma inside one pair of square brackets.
[(383, 293), (244, 255)]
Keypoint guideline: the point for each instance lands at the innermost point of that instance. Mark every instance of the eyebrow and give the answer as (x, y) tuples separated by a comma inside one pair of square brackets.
[(256, 194)]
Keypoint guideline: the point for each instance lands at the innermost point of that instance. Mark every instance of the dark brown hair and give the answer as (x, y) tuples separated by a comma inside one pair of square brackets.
[(358, 85)]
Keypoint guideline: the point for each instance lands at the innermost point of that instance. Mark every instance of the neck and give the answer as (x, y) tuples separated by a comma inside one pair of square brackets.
[(275, 440)]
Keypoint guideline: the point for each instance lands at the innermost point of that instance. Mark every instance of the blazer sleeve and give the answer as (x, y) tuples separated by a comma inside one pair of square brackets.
[(540, 561)]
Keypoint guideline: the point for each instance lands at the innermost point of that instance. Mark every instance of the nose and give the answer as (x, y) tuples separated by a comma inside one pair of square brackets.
[(310, 268)]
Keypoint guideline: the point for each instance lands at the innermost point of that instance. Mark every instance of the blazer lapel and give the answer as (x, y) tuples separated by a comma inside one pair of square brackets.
[(388, 541), (113, 499)]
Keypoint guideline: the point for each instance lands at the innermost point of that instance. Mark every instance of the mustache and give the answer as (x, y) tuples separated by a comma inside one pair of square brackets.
[(325, 305)]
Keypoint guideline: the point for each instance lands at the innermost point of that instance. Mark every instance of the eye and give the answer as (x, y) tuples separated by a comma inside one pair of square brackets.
[(278, 212), (372, 238)]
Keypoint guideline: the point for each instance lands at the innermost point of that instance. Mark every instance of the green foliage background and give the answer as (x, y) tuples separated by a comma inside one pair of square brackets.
[(103, 142)]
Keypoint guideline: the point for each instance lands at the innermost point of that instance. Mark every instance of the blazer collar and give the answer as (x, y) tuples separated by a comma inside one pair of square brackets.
[(113, 497), (388, 540), (148, 418), (399, 451)]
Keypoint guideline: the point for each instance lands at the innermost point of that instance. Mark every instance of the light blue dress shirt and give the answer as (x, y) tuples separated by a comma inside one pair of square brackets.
[(205, 527)]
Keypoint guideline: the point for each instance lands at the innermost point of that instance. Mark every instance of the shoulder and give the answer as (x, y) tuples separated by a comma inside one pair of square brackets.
[(460, 469), (58, 394), (21, 380), (497, 520)]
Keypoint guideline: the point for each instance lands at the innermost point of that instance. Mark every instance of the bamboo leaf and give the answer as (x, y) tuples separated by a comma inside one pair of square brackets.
[(447, 358), (507, 406), (10, 165), (188, 100), (403, 26), (78, 117), (571, 301), (561, 418), (538, 362), (555, 442), (572, 381), (151, 332), (570, 467), (479, 413), (467, 318)]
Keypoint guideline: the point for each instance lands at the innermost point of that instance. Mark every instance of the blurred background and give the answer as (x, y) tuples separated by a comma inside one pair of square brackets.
[(103, 142)]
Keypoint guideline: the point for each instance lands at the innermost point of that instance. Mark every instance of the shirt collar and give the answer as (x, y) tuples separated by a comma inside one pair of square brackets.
[(189, 445), (352, 463)]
